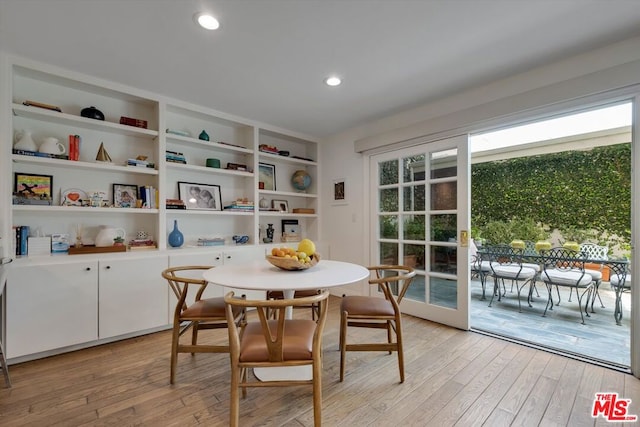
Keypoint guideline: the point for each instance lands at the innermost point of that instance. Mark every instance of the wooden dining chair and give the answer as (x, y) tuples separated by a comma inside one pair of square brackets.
[(197, 314), (378, 313), (265, 343)]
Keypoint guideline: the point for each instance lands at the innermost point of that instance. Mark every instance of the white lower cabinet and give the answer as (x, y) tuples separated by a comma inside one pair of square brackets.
[(51, 306), (133, 296)]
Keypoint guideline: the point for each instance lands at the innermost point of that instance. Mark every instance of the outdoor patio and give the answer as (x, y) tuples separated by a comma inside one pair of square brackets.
[(598, 339)]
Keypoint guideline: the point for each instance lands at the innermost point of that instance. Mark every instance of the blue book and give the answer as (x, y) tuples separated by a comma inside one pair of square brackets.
[(24, 237)]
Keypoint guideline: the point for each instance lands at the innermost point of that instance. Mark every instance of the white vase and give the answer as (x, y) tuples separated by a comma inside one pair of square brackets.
[(24, 141)]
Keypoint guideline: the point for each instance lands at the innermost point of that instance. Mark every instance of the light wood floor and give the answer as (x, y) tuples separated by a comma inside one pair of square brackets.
[(453, 378)]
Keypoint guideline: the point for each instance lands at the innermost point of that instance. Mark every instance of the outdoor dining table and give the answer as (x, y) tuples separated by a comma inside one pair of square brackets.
[(618, 267)]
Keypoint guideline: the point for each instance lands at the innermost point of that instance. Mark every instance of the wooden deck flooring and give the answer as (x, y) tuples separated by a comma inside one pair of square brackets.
[(453, 378)]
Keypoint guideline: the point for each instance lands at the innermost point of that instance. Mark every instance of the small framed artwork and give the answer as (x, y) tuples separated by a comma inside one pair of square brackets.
[(200, 196), (280, 205), (33, 186), (267, 175), (340, 191), (125, 195), (290, 230)]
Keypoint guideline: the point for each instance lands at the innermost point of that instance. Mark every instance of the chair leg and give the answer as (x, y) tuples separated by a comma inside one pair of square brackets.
[(317, 391), (243, 379), (174, 350), (390, 334), (595, 294), (343, 343), (549, 299), (496, 287), (234, 402), (194, 334), (400, 349)]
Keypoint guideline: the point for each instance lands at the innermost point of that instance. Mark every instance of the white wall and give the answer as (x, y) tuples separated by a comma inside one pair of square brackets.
[(508, 100), (343, 226)]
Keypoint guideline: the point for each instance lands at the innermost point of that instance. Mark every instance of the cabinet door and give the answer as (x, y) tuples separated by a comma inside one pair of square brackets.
[(133, 295), (51, 306)]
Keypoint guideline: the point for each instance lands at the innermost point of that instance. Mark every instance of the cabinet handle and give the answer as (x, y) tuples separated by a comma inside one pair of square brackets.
[(87, 269), (217, 258), (108, 267), (228, 256)]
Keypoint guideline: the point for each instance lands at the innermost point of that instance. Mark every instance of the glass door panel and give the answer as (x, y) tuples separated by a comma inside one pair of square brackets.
[(421, 206)]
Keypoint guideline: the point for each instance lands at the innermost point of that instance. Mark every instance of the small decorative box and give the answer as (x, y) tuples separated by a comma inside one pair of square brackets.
[(129, 121)]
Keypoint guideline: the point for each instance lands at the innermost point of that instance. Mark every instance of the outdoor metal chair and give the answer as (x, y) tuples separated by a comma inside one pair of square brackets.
[(591, 251), (507, 264), (565, 267), (479, 269), (621, 282)]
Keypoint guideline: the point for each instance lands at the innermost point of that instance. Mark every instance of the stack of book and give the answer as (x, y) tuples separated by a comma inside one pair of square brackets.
[(216, 241), (175, 204), (22, 238), (140, 163), (141, 244), (242, 205), (149, 196), (175, 157), (39, 154)]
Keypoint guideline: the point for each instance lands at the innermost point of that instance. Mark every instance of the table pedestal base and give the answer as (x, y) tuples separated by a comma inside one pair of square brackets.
[(284, 373)]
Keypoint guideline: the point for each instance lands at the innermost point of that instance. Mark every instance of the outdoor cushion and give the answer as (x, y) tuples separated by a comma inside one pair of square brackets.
[(615, 280), (596, 275), (513, 271), (566, 278)]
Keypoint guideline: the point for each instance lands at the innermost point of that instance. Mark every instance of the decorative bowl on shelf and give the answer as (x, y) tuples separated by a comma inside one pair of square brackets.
[(291, 264), (92, 113)]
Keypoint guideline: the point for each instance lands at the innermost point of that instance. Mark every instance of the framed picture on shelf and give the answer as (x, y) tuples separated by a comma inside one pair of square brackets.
[(267, 175), (290, 230), (280, 205), (33, 186), (200, 196), (125, 195)]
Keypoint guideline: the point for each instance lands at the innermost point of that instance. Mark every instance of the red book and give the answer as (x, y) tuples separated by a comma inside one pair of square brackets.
[(71, 138), (76, 147)]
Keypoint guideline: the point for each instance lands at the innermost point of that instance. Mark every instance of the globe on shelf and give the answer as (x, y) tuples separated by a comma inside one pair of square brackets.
[(301, 180)]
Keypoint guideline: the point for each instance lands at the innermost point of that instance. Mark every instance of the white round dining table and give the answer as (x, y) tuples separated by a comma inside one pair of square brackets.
[(261, 275)]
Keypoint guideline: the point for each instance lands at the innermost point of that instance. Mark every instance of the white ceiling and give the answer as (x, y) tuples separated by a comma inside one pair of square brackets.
[(269, 59)]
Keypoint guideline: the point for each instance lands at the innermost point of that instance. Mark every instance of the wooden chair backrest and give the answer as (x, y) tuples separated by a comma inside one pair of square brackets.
[(180, 284), (274, 330), (400, 279)]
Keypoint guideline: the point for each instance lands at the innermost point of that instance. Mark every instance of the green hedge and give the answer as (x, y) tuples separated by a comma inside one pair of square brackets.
[(573, 189)]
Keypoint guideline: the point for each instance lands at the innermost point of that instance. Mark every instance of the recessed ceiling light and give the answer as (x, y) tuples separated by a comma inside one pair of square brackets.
[(333, 81), (207, 21)]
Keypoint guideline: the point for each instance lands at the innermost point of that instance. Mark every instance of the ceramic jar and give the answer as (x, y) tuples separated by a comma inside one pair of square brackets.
[(176, 238), (52, 145), (24, 141)]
